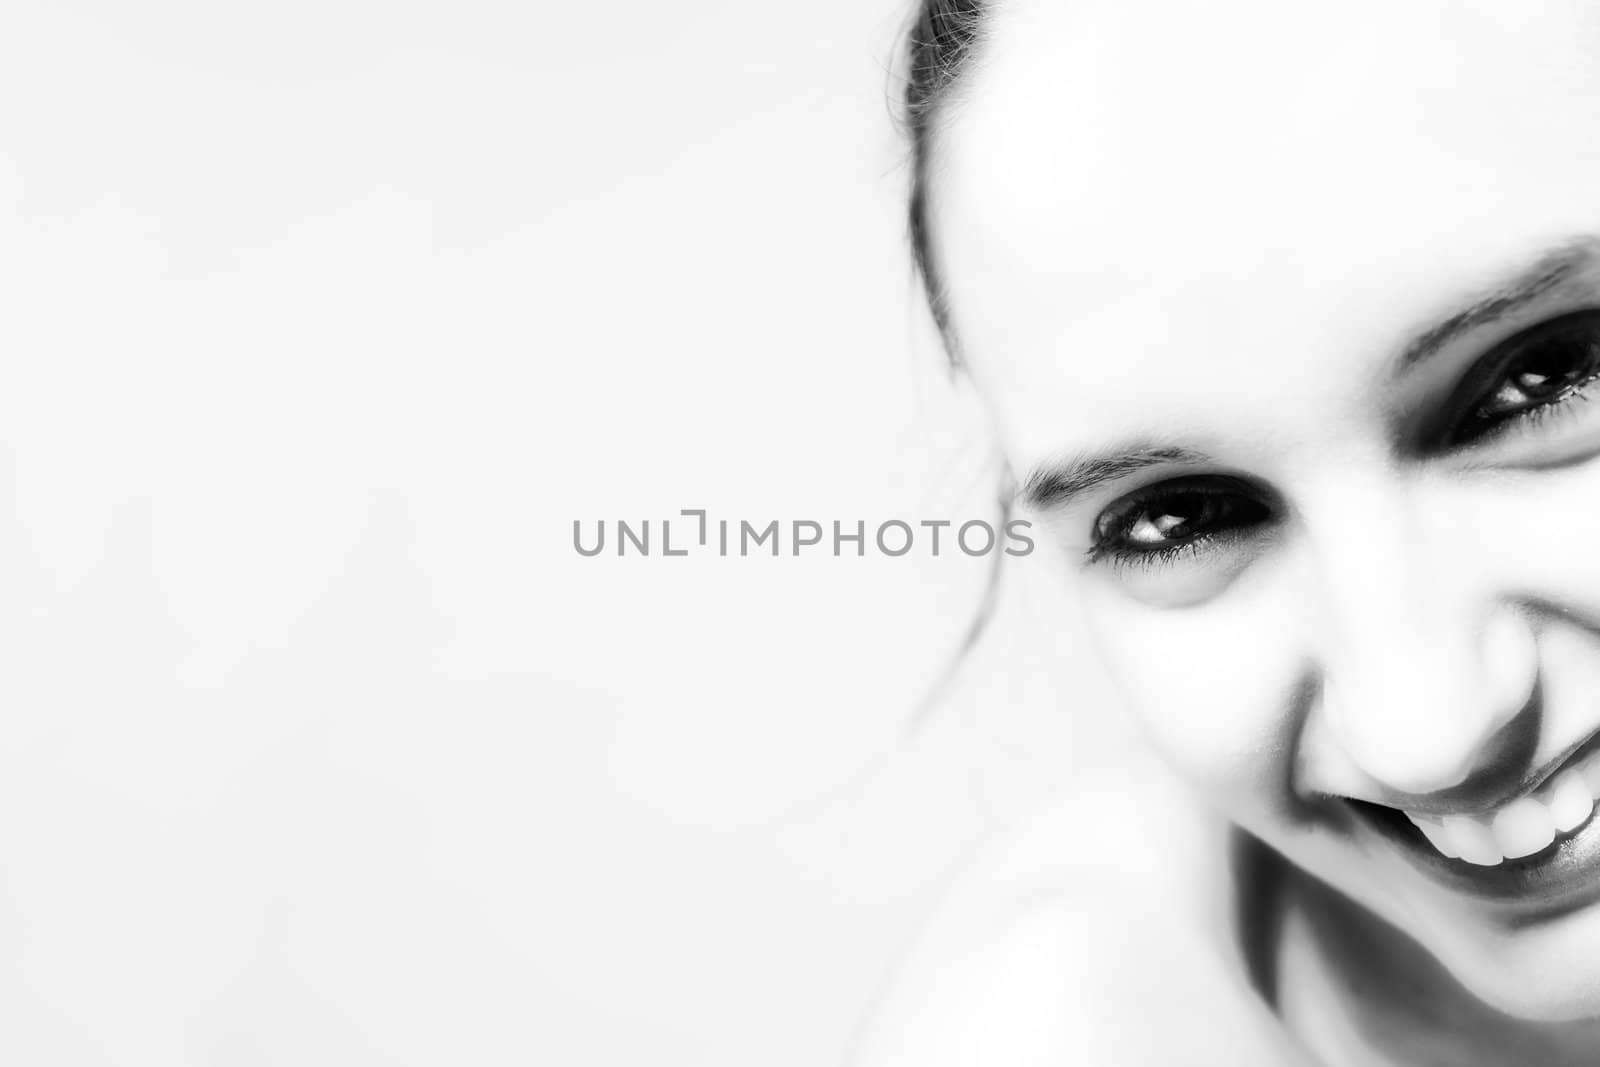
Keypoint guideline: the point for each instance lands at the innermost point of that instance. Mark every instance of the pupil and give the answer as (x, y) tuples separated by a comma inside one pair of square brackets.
[(1183, 516), (1551, 367), (1183, 511), (1170, 525)]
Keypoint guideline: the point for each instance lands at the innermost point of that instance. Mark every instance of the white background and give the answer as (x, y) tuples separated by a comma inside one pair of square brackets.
[(321, 324)]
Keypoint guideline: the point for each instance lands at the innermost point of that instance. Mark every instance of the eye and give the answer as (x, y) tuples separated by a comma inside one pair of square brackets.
[(1535, 372), (1172, 517)]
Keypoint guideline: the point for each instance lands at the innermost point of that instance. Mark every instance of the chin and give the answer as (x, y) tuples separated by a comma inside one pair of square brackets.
[(1569, 993), (1543, 972)]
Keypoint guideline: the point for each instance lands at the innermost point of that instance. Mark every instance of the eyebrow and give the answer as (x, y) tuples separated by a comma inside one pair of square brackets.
[(1548, 271), (1053, 484)]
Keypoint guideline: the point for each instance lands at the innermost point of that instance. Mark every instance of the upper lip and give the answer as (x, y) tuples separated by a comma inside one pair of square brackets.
[(1486, 792)]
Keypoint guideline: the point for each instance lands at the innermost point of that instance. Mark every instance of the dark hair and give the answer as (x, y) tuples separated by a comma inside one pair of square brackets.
[(938, 48)]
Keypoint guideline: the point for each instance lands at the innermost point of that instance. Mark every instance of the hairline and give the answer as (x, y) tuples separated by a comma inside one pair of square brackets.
[(929, 105)]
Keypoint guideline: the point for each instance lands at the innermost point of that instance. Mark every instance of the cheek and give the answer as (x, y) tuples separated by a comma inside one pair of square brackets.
[(1216, 687), (1537, 538)]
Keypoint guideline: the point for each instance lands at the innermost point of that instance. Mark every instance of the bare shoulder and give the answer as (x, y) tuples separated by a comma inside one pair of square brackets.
[(1089, 935)]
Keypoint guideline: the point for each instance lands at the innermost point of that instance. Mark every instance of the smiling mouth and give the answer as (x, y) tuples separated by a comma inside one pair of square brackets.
[(1522, 827), (1538, 849)]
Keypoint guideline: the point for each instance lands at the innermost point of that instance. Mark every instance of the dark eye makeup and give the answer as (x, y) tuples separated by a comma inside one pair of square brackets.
[(1530, 376), (1181, 515), (1518, 386)]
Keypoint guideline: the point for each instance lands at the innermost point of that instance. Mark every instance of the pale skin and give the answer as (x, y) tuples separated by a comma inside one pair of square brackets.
[(1270, 242)]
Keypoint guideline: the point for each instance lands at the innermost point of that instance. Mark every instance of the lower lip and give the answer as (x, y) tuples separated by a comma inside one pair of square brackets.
[(1559, 878)]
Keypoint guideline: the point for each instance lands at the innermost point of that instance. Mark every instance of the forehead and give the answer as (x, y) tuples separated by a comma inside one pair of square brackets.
[(1138, 207)]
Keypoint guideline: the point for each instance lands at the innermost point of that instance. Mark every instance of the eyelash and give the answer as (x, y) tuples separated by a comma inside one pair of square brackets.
[(1118, 522), (1113, 527), (1533, 420), (1147, 558), (1480, 385)]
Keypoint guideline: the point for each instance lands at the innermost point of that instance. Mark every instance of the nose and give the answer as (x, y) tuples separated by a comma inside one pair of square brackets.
[(1425, 668), (1422, 713)]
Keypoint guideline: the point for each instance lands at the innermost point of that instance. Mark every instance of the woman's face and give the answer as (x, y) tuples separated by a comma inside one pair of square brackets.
[(1290, 318)]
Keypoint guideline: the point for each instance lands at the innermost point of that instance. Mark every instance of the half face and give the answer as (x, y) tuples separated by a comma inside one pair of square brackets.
[(1290, 319)]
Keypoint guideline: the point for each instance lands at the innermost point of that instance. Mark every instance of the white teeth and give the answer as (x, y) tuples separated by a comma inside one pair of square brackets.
[(1433, 830), (1523, 827), (1472, 840), (1569, 800)]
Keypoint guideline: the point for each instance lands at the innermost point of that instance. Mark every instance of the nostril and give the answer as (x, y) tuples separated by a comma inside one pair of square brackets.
[(1496, 765), (1507, 771), (1433, 722)]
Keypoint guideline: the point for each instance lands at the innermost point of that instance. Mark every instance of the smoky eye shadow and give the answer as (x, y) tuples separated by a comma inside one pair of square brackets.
[(1439, 430)]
